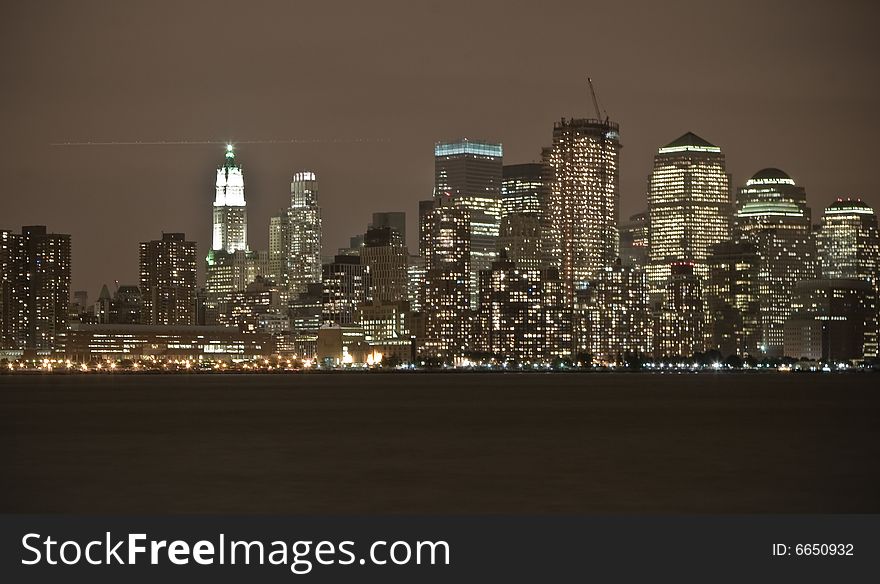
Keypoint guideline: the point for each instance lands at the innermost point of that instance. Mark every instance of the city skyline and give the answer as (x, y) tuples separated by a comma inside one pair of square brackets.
[(786, 101)]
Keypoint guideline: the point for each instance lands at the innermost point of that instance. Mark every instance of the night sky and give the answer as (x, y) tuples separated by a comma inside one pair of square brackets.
[(787, 84)]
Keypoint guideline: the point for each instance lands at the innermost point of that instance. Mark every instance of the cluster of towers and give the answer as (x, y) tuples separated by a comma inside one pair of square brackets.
[(524, 263)]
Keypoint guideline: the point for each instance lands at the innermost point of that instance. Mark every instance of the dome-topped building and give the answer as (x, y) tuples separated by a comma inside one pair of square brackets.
[(772, 214)]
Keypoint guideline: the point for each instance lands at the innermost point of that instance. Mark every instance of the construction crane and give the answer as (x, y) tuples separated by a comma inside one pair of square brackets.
[(596, 100)]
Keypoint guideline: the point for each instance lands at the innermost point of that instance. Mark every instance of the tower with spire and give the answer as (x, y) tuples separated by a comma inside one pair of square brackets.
[(230, 209), (231, 265)]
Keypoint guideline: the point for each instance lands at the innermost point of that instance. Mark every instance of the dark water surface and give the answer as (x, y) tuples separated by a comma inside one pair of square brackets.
[(440, 443)]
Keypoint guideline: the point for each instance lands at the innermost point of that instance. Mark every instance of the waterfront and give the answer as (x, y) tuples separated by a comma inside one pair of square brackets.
[(454, 443)]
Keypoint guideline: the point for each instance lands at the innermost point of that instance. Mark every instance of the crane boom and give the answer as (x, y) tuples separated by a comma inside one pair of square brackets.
[(595, 99)]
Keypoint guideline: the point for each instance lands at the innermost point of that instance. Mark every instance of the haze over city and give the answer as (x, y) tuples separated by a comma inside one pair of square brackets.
[(779, 84)]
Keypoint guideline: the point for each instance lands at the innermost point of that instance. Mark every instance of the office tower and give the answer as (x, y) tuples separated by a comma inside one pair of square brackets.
[(732, 299), (394, 219), (678, 328), (168, 280), (304, 255), (385, 253), (230, 265), (305, 310), (446, 294), (228, 273), (387, 329), (522, 238), (615, 318), (522, 189), (346, 285), (468, 174), (849, 245), (635, 237), (230, 209), (772, 213), (34, 287), (127, 305), (257, 308), (415, 281), (832, 320), (689, 207), (517, 307), (583, 197), (279, 247)]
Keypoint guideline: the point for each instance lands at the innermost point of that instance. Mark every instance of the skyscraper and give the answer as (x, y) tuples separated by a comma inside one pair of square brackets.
[(522, 189), (849, 247), (468, 174), (678, 328), (446, 295), (522, 239), (689, 207), (346, 286), (230, 265), (168, 280), (732, 299), (385, 253), (848, 241), (230, 209), (304, 255), (34, 287), (772, 214), (582, 178), (279, 247)]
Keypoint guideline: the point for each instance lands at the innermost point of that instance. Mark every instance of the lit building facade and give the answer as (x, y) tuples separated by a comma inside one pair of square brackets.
[(279, 248), (772, 214), (519, 313), (849, 247), (230, 209), (582, 177), (83, 343), (446, 298), (678, 327), (522, 189), (346, 285), (689, 207), (522, 239), (832, 320), (848, 241), (385, 253), (468, 175), (34, 287), (635, 239), (168, 280), (614, 316), (304, 255), (732, 295), (415, 281)]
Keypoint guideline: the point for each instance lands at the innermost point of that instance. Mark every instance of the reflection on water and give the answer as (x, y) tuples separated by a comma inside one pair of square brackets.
[(440, 443)]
